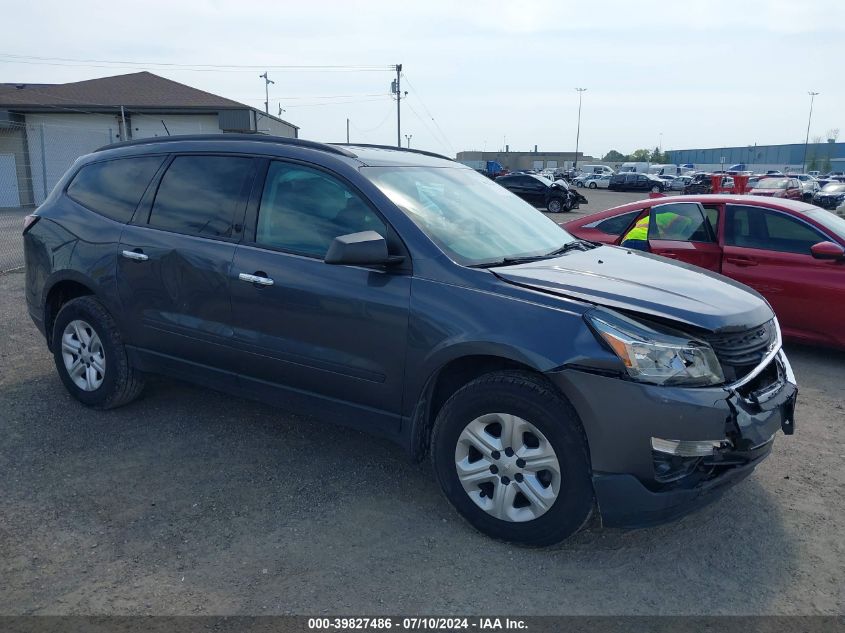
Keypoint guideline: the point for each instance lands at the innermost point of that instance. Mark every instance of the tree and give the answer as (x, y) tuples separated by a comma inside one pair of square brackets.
[(640, 156), (614, 157)]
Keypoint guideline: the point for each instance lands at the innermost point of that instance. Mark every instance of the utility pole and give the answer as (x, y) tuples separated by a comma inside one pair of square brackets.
[(267, 82), (347, 129), (409, 137), (396, 89), (809, 119), (581, 91)]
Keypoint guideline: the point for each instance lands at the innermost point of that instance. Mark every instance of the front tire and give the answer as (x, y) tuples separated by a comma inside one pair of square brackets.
[(90, 356), (510, 455), (554, 205), (593, 185)]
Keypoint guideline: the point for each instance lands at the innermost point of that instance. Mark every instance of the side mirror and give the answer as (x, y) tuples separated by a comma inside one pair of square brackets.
[(366, 248), (827, 250)]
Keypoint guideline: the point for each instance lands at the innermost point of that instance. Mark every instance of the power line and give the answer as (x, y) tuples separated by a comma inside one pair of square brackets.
[(416, 93)]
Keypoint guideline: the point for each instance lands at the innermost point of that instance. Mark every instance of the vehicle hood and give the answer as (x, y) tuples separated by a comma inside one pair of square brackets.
[(644, 283)]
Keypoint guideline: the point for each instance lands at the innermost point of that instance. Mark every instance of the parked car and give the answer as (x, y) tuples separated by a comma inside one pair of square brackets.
[(632, 181), (680, 183), (404, 294), (776, 187), (830, 196), (791, 252), (542, 193), (809, 185), (703, 183), (668, 179), (597, 181)]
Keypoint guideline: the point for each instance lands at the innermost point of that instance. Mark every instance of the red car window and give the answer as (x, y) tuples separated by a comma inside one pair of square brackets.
[(767, 229)]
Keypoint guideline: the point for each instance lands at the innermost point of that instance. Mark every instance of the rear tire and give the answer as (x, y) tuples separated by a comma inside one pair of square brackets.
[(593, 185), (90, 356), (557, 502)]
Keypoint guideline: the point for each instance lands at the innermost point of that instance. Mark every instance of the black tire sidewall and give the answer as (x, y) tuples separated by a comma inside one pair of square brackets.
[(556, 420), (83, 310)]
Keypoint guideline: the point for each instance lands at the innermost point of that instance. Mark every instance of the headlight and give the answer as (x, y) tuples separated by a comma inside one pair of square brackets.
[(660, 357)]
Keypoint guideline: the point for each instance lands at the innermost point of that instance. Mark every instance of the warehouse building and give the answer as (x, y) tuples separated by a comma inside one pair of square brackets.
[(516, 161), (45, 127), (760, 158)]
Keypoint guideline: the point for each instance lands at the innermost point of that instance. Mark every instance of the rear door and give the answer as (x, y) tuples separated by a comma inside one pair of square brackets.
[(175, 258), (323, 332), (769, 250), (682, 231)]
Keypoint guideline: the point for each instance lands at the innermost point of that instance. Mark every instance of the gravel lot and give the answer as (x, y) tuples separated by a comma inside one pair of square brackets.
[(192, 502), (11, 247)]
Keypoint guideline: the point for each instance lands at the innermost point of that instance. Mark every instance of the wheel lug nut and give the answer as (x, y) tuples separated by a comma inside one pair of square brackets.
[(494, 469), (495, 455), (520, 463), (509, 451), (518, 477), (505, 481)]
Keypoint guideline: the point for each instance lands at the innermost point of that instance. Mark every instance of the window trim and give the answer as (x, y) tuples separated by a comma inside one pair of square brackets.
[(153, 181), (250, 232), (237, 226), (779, 212)]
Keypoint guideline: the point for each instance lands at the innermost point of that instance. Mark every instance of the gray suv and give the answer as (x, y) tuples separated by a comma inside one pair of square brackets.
[(550, 379)]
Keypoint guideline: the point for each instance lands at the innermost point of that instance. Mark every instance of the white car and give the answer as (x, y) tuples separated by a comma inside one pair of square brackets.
[(596, 181)]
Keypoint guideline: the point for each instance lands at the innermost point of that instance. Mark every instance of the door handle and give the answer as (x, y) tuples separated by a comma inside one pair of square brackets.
[(135, 255), (741, 261), (259, 279), (669, 254)]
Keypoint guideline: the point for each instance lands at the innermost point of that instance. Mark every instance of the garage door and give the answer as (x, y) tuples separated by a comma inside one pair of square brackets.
[(9, 195)]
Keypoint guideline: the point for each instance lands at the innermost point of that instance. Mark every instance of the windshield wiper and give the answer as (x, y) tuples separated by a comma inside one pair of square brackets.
[(509, 261)]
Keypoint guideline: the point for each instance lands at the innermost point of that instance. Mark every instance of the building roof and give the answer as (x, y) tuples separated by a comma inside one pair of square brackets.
[(134, 90)]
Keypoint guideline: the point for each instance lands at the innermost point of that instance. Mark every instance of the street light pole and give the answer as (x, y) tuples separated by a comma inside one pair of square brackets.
[(409, 137), (809, 120), (581, 91)]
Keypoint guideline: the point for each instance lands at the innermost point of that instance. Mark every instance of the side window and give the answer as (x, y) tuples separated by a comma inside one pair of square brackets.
[(630, 178), (202, 195), (683, 222), (302, 210), (617, 224), (114, 188), (753, 227)]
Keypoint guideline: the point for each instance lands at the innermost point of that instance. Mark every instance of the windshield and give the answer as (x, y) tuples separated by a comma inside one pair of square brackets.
[(471, 218), (834, 187), (831, 221), (772, 183)]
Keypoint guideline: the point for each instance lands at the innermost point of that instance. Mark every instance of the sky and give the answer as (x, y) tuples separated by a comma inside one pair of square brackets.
[(479, 75)]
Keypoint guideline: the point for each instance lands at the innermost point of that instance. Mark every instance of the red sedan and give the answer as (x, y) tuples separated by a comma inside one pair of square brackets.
[(778, 187), (791, 252)]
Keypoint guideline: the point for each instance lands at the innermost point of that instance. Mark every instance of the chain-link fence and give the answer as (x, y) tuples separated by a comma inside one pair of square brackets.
[(33, 157)]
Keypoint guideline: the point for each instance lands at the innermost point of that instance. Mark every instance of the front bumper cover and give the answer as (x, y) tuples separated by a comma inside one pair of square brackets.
[(621, 416)]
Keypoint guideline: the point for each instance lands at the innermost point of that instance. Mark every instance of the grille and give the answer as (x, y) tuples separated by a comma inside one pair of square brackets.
[(741, 352)]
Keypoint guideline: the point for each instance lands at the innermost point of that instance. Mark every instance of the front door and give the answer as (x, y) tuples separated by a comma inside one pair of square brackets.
[(175, 258), (770, 251), (331, 334), (681, 230)]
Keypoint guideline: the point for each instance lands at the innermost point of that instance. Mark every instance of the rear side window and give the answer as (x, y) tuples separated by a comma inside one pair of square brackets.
[(617, 224), (203, 195), (114, 188)]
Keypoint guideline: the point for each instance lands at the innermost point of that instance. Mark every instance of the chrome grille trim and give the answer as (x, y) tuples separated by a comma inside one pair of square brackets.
[(773, 351)]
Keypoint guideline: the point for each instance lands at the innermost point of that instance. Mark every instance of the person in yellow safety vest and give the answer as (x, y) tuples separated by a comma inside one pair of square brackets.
[(668, 222)]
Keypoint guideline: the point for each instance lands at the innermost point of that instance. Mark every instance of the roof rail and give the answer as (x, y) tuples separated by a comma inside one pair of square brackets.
[(395, 149), (260, 138)]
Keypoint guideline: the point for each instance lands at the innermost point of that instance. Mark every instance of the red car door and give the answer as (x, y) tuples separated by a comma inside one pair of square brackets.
[(769, 250), (681, 230)]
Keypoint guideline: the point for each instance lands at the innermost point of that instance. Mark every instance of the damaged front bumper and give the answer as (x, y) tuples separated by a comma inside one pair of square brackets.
[(640, 482)]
